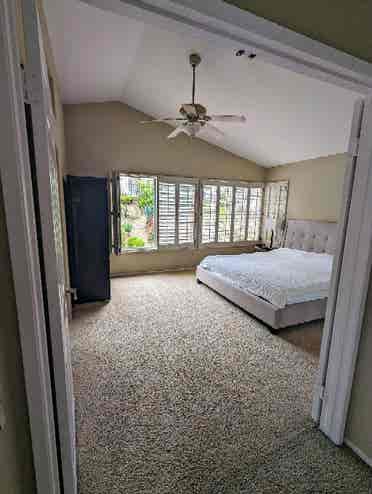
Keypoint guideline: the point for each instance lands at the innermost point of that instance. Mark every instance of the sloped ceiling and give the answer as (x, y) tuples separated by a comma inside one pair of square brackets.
[(101, 56), (342, 24)]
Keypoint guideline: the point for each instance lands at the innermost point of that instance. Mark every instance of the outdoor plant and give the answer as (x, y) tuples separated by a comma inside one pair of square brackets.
[(146, 197), (135, 242), (125, 201)]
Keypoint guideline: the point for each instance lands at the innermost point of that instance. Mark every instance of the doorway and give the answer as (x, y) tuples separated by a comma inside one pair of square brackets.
[(357, 211)]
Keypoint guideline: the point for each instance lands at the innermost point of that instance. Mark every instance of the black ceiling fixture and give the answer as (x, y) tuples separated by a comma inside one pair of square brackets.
[(241, 53)]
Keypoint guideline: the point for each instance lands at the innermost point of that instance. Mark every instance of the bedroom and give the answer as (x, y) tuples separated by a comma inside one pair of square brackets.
[(176, 387)]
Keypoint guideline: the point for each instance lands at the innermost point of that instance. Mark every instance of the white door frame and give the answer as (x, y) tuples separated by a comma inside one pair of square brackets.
[(352, 291), (319, 393), (223, 24), (24, 252)]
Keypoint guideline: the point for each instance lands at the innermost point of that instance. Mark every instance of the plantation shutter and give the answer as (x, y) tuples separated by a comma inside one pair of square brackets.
[(176, 212), (166, 213), (209, 213), (186, 213), (241, 214), (225, 210), (255, 213), (275, 212), (115, 212)]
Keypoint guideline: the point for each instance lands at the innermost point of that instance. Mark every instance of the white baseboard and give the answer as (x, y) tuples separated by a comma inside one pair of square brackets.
[(358, 452), (156, 271)]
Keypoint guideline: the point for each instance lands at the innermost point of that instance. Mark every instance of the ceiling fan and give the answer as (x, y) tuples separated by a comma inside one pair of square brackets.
[(194, 117)]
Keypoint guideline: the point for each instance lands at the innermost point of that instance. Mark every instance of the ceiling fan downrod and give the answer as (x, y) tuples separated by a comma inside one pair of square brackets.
[(195, 60)]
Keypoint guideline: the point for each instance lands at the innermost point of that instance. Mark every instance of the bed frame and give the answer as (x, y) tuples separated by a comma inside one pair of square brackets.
[(311, 236)]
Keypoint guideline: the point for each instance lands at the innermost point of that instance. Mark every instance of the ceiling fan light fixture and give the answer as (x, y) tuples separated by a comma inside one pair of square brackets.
[(194, 116)]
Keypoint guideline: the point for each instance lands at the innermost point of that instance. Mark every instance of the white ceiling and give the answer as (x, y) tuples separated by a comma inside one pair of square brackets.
[(102, 56)]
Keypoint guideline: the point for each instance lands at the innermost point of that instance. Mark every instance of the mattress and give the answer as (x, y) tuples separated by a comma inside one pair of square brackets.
[(282, 276)]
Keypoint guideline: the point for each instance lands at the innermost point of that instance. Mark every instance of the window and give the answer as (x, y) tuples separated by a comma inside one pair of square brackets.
[(241, 214), (137, 206), (231, 213), (176, 210), (155, 212), (225, 214), (186, 214), (274, 212), (255, 213), (209, 212)]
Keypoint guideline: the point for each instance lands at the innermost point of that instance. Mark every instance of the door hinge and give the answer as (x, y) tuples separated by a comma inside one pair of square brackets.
[(24, 85), (30, 93), (72, 292), (354, 147), (322, 393)]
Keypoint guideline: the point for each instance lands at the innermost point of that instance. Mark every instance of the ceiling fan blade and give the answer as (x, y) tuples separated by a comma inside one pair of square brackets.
[(228, 118), (179, 130), (160, 120), (212, 131)]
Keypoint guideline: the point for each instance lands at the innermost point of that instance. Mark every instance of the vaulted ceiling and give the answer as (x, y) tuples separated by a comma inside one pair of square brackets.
[(102, 56), (342, 24)]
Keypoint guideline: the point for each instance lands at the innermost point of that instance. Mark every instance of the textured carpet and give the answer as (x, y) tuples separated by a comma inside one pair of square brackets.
[(178, 391)]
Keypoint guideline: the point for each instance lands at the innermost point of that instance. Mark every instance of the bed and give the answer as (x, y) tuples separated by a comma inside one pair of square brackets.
[(282, 287)]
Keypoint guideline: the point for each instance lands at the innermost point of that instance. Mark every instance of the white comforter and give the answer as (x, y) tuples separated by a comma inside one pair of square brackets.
[(281, 276)]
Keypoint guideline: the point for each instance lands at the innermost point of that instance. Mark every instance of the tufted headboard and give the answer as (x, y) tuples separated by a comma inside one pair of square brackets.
[(312, 236)]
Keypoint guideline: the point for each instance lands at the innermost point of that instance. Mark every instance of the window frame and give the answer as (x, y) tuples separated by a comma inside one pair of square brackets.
[(198, 211), (138, 250), (234, 184)]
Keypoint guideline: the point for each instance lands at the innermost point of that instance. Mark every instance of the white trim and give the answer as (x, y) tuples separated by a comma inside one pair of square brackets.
[(352, 292), (359, 452), (234, 27), (18, 200), (337, 263), (37, 80)]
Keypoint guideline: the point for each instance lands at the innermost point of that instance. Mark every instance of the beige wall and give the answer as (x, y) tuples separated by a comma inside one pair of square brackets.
[(315, 187), (105, 136), (359, 425)]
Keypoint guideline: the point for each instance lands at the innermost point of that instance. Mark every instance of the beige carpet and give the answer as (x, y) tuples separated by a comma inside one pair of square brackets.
[(178, 391)]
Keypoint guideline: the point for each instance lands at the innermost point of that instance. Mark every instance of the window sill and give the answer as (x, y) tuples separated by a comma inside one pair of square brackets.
[(173, 248), (224, 245), (143, 250)]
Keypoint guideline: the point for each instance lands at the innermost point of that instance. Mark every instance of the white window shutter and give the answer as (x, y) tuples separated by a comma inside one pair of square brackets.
[(166, 214), (255, 213), (186, 213), (240, 214), (209, 213), (225, 210), (275, 211)]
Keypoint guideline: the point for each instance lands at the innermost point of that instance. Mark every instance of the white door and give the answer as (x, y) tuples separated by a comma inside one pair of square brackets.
[(39, 94), (349, 282)]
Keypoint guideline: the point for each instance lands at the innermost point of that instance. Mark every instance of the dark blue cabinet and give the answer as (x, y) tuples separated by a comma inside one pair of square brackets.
[(87, 219)]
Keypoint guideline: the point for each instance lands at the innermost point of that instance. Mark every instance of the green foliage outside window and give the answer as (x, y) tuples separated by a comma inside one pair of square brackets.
[(135, 242), (146, 196)]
